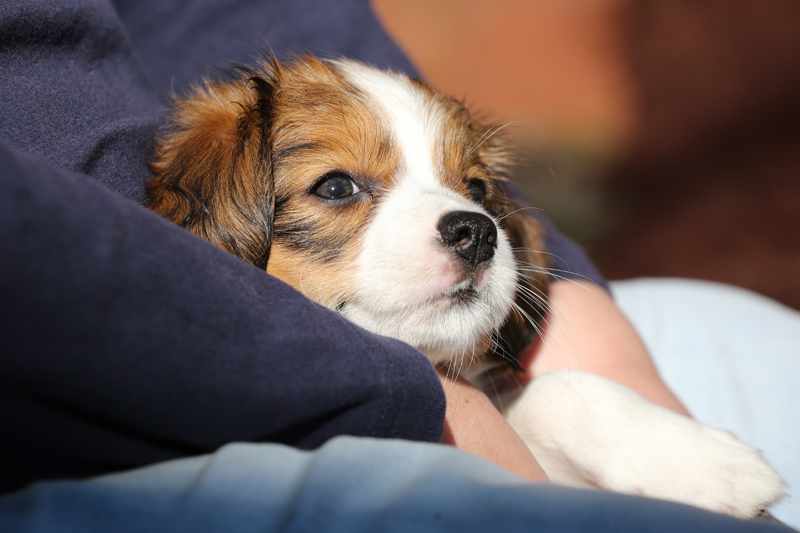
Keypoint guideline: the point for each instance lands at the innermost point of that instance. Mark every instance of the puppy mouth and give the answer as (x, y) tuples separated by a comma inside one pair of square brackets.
[(462, 293)]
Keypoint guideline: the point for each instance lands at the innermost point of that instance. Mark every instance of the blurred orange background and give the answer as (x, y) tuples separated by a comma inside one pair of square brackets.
[(664, 135)]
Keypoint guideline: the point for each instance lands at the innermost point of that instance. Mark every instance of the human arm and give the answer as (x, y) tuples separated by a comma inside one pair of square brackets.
[(473, 424), (128, 341), (586, 331), (583, 329)]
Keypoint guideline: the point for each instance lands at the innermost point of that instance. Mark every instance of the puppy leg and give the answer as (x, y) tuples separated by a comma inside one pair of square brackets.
[(589, 431)]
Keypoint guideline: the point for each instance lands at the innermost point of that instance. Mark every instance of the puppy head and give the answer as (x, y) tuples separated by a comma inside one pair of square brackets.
[(369, 192)]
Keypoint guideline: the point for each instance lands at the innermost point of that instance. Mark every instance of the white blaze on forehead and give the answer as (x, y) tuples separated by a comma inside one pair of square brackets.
[(413, 119), (403, 269)]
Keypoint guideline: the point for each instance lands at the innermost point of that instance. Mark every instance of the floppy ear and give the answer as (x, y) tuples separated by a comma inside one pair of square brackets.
[(212, 172), (524, 324)]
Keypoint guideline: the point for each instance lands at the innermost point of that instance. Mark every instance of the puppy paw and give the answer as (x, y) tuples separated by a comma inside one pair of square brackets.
[(588, 431), (711, 468), (687, 462)]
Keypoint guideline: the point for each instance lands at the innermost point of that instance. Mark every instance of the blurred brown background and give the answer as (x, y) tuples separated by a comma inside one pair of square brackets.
[(664, 135)]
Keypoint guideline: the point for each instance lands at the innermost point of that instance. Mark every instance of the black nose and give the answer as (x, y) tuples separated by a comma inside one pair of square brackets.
[(472, 236)]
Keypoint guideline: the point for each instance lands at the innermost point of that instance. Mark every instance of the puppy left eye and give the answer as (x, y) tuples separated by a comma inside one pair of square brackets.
[(336, 186), (477, 189)]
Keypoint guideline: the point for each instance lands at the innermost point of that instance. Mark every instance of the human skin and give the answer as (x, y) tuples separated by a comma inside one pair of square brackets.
[(473, 424), (585, 331)]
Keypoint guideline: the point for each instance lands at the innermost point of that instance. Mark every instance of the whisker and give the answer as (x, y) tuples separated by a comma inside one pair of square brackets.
[(500, 219), (488, 135)]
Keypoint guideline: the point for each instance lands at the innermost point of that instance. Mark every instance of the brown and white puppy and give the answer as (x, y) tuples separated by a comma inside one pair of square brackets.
[(381, 198), (369, 192)]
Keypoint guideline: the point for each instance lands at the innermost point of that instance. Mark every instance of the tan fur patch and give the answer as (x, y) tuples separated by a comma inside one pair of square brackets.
[(322, 126)]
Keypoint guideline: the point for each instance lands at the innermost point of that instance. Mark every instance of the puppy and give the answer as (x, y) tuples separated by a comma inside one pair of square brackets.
[(383, 199)]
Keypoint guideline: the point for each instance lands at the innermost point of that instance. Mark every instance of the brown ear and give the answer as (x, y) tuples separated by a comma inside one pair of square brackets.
[(212, 172), (525, 322)]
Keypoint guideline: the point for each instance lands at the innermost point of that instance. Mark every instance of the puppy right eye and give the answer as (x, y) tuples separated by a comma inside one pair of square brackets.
[(477, 189), (336, 186)]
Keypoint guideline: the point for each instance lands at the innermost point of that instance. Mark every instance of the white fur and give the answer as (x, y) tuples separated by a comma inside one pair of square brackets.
[(588, 431), (404, 271)]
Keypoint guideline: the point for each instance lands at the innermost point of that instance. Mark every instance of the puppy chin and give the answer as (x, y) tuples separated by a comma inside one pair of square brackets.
[(453, 326), (447, 329)]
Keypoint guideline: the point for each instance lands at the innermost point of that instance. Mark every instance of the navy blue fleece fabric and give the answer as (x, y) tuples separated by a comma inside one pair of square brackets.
[(128, 341), (124, 339)]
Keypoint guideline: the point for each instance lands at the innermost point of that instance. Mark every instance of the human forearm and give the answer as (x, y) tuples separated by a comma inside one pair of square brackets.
[(586, 331), (474, 425)]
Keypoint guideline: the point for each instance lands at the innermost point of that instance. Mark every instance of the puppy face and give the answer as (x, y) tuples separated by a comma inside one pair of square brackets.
[(371, 193)]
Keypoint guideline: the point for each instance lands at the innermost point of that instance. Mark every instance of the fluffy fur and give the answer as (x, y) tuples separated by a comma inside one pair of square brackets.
[(382, 199)]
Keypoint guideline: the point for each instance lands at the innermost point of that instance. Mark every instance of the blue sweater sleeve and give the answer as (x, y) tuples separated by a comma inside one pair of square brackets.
[(126, 340)]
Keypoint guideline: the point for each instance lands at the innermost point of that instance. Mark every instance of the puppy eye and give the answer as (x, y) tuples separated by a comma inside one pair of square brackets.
[(477, 189), (336, 186)]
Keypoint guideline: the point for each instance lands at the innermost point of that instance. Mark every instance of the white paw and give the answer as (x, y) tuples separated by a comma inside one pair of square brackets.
[(588, 431)]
